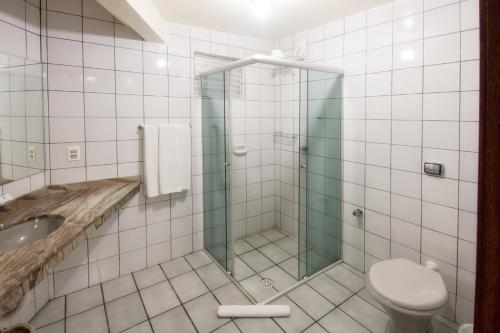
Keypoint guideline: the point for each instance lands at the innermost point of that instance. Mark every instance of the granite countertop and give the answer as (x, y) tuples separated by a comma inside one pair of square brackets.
[(85, 206)]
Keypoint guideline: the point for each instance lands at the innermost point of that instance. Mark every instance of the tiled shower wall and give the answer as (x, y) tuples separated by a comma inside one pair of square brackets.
[(410, 95), (287, 150), (253, 124)]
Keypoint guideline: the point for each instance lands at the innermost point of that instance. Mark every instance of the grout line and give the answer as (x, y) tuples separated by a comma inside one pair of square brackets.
[(178, 298), (338, 307), (211, 292), (457, 282), (115, 103), (274, 263), (422, 149), (391, 146), (142, 301), (365, 154), (104, 306), (363, 219), (65, 311)]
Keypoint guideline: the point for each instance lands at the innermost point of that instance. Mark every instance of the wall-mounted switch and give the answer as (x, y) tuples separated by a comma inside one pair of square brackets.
[(31, 153), (73, 153), (433, 169)]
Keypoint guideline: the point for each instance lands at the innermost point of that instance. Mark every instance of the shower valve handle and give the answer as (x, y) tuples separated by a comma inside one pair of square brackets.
[(357, 212)]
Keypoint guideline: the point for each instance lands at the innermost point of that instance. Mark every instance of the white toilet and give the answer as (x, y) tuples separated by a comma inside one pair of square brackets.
[(410, 293)]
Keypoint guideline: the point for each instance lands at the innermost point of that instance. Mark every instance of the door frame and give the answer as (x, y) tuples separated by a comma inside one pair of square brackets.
[(487, 299)]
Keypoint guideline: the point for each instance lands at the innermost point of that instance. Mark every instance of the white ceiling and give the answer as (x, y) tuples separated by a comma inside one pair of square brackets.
[(236, 16)]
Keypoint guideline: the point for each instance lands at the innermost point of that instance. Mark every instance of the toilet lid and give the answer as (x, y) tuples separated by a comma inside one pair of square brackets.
[(407, 284)]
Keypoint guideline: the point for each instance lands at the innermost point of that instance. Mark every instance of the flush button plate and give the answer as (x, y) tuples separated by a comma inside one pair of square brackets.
[(433, 169)]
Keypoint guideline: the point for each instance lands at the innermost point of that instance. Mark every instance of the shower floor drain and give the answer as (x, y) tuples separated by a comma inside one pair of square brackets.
[(266, 283)]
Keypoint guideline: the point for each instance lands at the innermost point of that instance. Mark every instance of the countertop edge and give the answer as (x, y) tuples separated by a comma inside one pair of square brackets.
[(12, 296)]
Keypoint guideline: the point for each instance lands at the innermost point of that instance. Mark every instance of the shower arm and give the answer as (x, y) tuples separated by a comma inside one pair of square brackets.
[(269, 60)]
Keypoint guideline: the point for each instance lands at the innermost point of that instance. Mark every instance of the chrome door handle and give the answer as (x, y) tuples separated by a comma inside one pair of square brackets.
[(303, 166), (357, 212)]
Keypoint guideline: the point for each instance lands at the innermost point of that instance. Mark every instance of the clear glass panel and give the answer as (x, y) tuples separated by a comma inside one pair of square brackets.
[(228, 164), (21, 120), (320, 170), (303, 153), (214, 167)]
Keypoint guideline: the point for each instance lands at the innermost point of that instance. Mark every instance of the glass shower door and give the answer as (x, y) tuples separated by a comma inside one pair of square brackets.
[(215, 167), (320, 171)]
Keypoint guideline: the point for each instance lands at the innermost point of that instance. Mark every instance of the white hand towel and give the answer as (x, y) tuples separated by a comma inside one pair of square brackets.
[(174, 158), (151, 175)]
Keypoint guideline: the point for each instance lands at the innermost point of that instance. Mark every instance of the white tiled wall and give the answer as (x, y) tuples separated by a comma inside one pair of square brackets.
[(102, 82), (20, 27), (410, 95), (20, 37), (21, 118)]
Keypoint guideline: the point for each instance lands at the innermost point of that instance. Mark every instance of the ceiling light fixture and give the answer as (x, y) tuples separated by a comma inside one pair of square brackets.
[(161, 63), (261, 8)]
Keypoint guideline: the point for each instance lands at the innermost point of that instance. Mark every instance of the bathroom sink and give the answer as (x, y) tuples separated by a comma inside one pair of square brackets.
[(24, 233)]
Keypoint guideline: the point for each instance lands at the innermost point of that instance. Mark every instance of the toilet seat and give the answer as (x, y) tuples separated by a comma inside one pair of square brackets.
[(408, 285)]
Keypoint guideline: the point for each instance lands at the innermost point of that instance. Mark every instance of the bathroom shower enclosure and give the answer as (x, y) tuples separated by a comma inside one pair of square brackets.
[(272, 193)]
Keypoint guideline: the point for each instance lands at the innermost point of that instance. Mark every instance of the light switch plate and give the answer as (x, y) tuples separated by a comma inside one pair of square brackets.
[(73, 153), (433, 169)]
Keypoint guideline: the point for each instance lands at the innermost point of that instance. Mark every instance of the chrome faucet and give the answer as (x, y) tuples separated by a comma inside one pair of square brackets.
[(4, 199)]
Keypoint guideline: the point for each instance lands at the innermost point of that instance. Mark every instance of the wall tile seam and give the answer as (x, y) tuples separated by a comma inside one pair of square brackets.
[(386, 46), (19, 27)]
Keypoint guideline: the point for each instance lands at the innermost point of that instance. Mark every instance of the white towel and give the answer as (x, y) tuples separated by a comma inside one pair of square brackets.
[(174, 158), (151, 175)]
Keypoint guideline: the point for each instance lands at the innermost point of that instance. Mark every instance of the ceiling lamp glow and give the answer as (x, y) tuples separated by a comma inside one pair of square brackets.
[(261, 8), (407, 54)]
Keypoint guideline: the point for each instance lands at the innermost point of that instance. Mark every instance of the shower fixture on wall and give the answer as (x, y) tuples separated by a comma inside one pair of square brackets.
[(298, 54)]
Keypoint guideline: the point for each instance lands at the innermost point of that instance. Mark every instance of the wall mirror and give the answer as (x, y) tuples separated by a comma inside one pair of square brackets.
[(21, 118)]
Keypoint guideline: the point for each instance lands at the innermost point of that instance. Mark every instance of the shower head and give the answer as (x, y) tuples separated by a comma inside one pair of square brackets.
[(296, 54), (277, 53)]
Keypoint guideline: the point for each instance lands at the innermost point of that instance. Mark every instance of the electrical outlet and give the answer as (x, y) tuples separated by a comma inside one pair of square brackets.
[(31, 153), (73, 153)]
